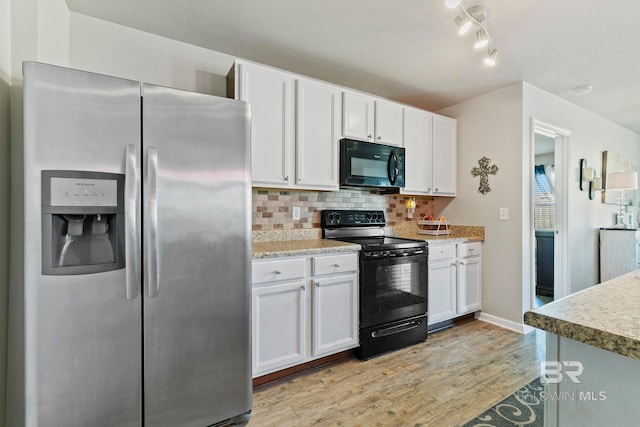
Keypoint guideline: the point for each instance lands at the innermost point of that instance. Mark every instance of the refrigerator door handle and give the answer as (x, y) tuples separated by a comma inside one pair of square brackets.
[(151, 223), (132, 231)]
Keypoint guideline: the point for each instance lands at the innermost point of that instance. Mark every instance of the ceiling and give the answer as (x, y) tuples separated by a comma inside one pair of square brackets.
[(409, 50)]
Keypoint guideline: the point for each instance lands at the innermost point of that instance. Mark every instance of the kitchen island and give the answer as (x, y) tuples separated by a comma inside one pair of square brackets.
[(593, 355)]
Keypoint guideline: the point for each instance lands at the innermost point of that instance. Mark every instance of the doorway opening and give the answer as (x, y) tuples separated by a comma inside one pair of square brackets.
[(549, 213), (544, 217)]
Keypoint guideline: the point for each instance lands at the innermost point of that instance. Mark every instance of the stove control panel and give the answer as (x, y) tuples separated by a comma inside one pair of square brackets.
[(351, 218)]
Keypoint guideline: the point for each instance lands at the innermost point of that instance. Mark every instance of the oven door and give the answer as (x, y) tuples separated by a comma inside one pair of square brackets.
[(392, 288)]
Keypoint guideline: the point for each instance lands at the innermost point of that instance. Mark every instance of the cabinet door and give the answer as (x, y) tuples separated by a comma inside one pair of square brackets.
[(279, 326), (357, 116), (335, 314), (317, 133), (270, 95), (444, 155), (442, 290), (418, 142), (469, 285), (388, 122)]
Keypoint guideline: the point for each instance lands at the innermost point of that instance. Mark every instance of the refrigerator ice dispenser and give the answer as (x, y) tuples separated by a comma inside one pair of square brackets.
[(82, 222)]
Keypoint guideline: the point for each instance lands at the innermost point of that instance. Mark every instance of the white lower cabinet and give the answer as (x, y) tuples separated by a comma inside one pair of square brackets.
[(455, 280), (335, 321), (303, 308), (469, 271), (278, 326)]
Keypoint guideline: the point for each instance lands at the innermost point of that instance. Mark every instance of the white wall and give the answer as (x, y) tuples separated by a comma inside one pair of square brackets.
[(497, 125), (590, 136), (491, 126), (53, 32), (112, 49), (545, 159)]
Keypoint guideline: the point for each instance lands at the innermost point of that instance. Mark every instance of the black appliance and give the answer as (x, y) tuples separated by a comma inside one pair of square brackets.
[(393, 281), (365, 164)]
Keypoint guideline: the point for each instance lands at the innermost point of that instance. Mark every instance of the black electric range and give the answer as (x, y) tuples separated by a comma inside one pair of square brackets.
[(393, 280)]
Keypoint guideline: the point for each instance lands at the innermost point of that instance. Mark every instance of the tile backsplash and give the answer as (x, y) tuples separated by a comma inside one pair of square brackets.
[(272, 208)]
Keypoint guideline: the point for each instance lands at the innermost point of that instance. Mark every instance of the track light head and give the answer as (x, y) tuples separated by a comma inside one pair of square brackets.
[(491, 57), (464, 24), (481, 39), (452, 4)]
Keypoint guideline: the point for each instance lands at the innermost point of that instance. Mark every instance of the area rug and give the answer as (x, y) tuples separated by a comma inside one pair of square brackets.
[(524, 408)]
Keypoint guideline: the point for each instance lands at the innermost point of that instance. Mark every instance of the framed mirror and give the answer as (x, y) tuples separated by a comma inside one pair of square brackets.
[(612, 162)]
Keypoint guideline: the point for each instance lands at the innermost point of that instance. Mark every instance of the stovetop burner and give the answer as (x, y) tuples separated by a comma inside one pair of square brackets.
[(365, 228), (383, 243)]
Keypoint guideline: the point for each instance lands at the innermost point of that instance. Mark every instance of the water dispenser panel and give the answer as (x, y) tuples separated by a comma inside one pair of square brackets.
[(83, 192), (82, 222)]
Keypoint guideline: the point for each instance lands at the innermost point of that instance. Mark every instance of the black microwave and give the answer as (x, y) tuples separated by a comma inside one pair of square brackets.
[(366, 164)]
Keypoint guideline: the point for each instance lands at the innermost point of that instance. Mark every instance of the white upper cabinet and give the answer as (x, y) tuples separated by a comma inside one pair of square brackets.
[(297, 123), (430, 158), (418, 144), (317, 134), (371, 119), (444, 155), (295, 128), (388, 122), (357, 116), (270, 94)]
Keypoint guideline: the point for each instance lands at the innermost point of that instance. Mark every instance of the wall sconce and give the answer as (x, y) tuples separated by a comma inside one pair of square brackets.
[(588, 174), (411, 207)]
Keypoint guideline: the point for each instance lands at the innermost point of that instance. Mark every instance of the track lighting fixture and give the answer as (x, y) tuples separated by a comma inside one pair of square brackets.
[(475, 15), (481, 39)]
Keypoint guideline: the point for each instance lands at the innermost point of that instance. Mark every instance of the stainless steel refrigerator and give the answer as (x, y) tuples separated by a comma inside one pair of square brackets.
[(134, 308)]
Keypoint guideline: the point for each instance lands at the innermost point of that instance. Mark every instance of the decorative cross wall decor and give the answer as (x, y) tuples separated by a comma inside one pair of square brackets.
[(483, 172)]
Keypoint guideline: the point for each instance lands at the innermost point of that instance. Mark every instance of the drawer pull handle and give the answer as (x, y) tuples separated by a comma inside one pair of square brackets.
[(303, 287), (454, 264), (336, 265), (461, 262), (278, 272)]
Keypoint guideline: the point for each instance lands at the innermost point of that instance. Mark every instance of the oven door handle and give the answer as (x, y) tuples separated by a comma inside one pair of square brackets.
[(396, 329)]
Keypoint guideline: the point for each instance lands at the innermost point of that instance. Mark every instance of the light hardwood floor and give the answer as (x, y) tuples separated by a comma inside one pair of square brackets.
[(452, 377)]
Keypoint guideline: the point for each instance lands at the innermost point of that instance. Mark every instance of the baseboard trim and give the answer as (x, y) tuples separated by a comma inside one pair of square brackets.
[(520, 328), (307, 366)]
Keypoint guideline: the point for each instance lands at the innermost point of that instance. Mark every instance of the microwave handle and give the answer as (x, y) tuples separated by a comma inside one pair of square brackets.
[(392, 168)]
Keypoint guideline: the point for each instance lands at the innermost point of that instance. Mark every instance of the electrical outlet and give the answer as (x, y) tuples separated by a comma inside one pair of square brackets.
[(504, 214), (295, 213)]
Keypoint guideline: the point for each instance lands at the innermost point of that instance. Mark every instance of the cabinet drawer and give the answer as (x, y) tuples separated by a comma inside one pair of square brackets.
[(272, 271), (334, 264), (466, 250), (437, 252)]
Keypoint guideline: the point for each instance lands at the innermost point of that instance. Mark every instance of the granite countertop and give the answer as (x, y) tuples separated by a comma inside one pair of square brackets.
[(300, 247), (459, 234), (450, 238), (606, 316)]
